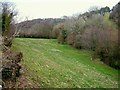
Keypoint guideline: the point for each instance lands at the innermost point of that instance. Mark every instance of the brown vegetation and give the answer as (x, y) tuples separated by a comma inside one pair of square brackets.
[(93, 31), (10, 59), (38, 28)]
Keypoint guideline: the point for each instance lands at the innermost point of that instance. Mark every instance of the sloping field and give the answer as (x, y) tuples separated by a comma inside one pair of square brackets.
[(50, 64)]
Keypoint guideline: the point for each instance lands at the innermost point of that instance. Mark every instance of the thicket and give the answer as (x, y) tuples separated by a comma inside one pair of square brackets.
[(92, 31)]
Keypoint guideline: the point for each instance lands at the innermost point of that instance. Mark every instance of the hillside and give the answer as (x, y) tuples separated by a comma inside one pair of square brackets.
[(38, 27), (50, 64)]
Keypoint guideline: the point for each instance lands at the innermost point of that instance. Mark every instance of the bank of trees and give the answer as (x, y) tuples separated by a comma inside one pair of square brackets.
[(92, 31), (38, 28)]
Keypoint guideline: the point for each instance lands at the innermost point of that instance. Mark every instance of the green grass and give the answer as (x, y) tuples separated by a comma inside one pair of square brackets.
[(61, 66)]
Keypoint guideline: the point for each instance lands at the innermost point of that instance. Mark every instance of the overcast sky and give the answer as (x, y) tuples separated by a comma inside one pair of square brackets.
[(56, 8)]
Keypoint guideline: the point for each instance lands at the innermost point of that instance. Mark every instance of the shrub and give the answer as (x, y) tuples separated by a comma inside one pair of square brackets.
[(62, 36), (57, 29), (70, 38), (77, 42)]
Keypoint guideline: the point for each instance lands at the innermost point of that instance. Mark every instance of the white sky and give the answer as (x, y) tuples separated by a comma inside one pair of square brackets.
[(56, 8)]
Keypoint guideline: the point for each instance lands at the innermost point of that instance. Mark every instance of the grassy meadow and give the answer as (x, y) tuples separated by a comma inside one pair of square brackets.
[(54, 65)]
